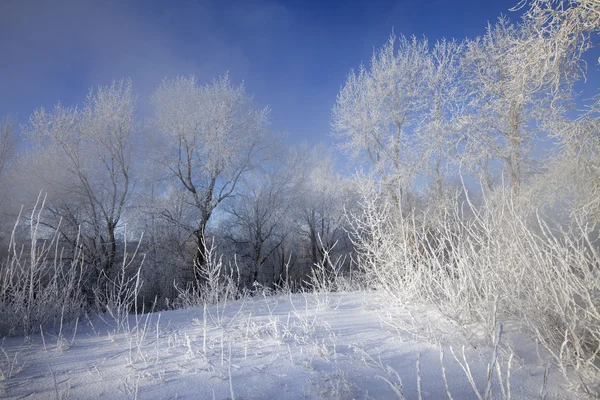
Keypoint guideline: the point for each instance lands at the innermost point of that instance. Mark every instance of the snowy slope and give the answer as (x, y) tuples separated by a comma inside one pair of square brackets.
[(300, 346)]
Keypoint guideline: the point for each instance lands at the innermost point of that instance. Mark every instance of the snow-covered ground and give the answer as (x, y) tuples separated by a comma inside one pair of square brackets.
[(299, 346)]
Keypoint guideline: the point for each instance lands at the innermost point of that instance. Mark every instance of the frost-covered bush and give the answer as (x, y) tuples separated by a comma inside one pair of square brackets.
[(40, 287), (492, 261)]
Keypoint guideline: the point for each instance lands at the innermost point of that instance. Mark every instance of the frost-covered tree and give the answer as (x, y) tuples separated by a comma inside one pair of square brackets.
[(323, 196), (572, 175), (214, 134), (513, 89), (561, 31), (401, 115), (378, 107), (83, 160), (566, 30), (436, 135)]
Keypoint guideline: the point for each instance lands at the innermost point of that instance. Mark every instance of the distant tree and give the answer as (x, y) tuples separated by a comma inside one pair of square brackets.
[(83, 159), (8, 142), (438, 132), (166, 218), (8, 152), (256, 221), (323, 196), (8, 149), (214, 135)]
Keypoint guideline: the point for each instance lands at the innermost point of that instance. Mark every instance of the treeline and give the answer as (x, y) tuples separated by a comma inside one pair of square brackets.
[(205, 170)]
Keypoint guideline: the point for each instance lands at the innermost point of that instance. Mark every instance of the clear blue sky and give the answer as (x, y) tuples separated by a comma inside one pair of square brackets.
[(292, 55)]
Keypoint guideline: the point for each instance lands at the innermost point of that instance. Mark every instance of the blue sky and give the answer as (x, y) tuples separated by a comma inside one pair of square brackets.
[(292, 55)]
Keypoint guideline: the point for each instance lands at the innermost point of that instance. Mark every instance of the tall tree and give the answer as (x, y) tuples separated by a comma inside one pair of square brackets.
[(565, 30), (378, 108), (214, 135), (84, 159), (561, 31)]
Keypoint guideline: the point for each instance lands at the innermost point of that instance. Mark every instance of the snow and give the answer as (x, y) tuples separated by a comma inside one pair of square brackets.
[(294, 346)]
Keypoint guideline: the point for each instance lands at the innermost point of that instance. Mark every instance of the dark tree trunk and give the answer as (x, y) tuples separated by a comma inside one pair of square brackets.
[(200, 259)]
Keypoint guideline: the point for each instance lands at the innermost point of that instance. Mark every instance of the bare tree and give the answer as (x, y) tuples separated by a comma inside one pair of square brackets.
[(84, 160), (214, 135), (322, 197), (256, 223)]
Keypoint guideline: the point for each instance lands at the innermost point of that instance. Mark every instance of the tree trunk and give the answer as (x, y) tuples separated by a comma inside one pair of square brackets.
[(200, 259), (112, 248)]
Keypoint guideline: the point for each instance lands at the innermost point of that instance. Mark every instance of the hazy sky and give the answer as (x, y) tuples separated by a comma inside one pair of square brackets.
[(292, 55)]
